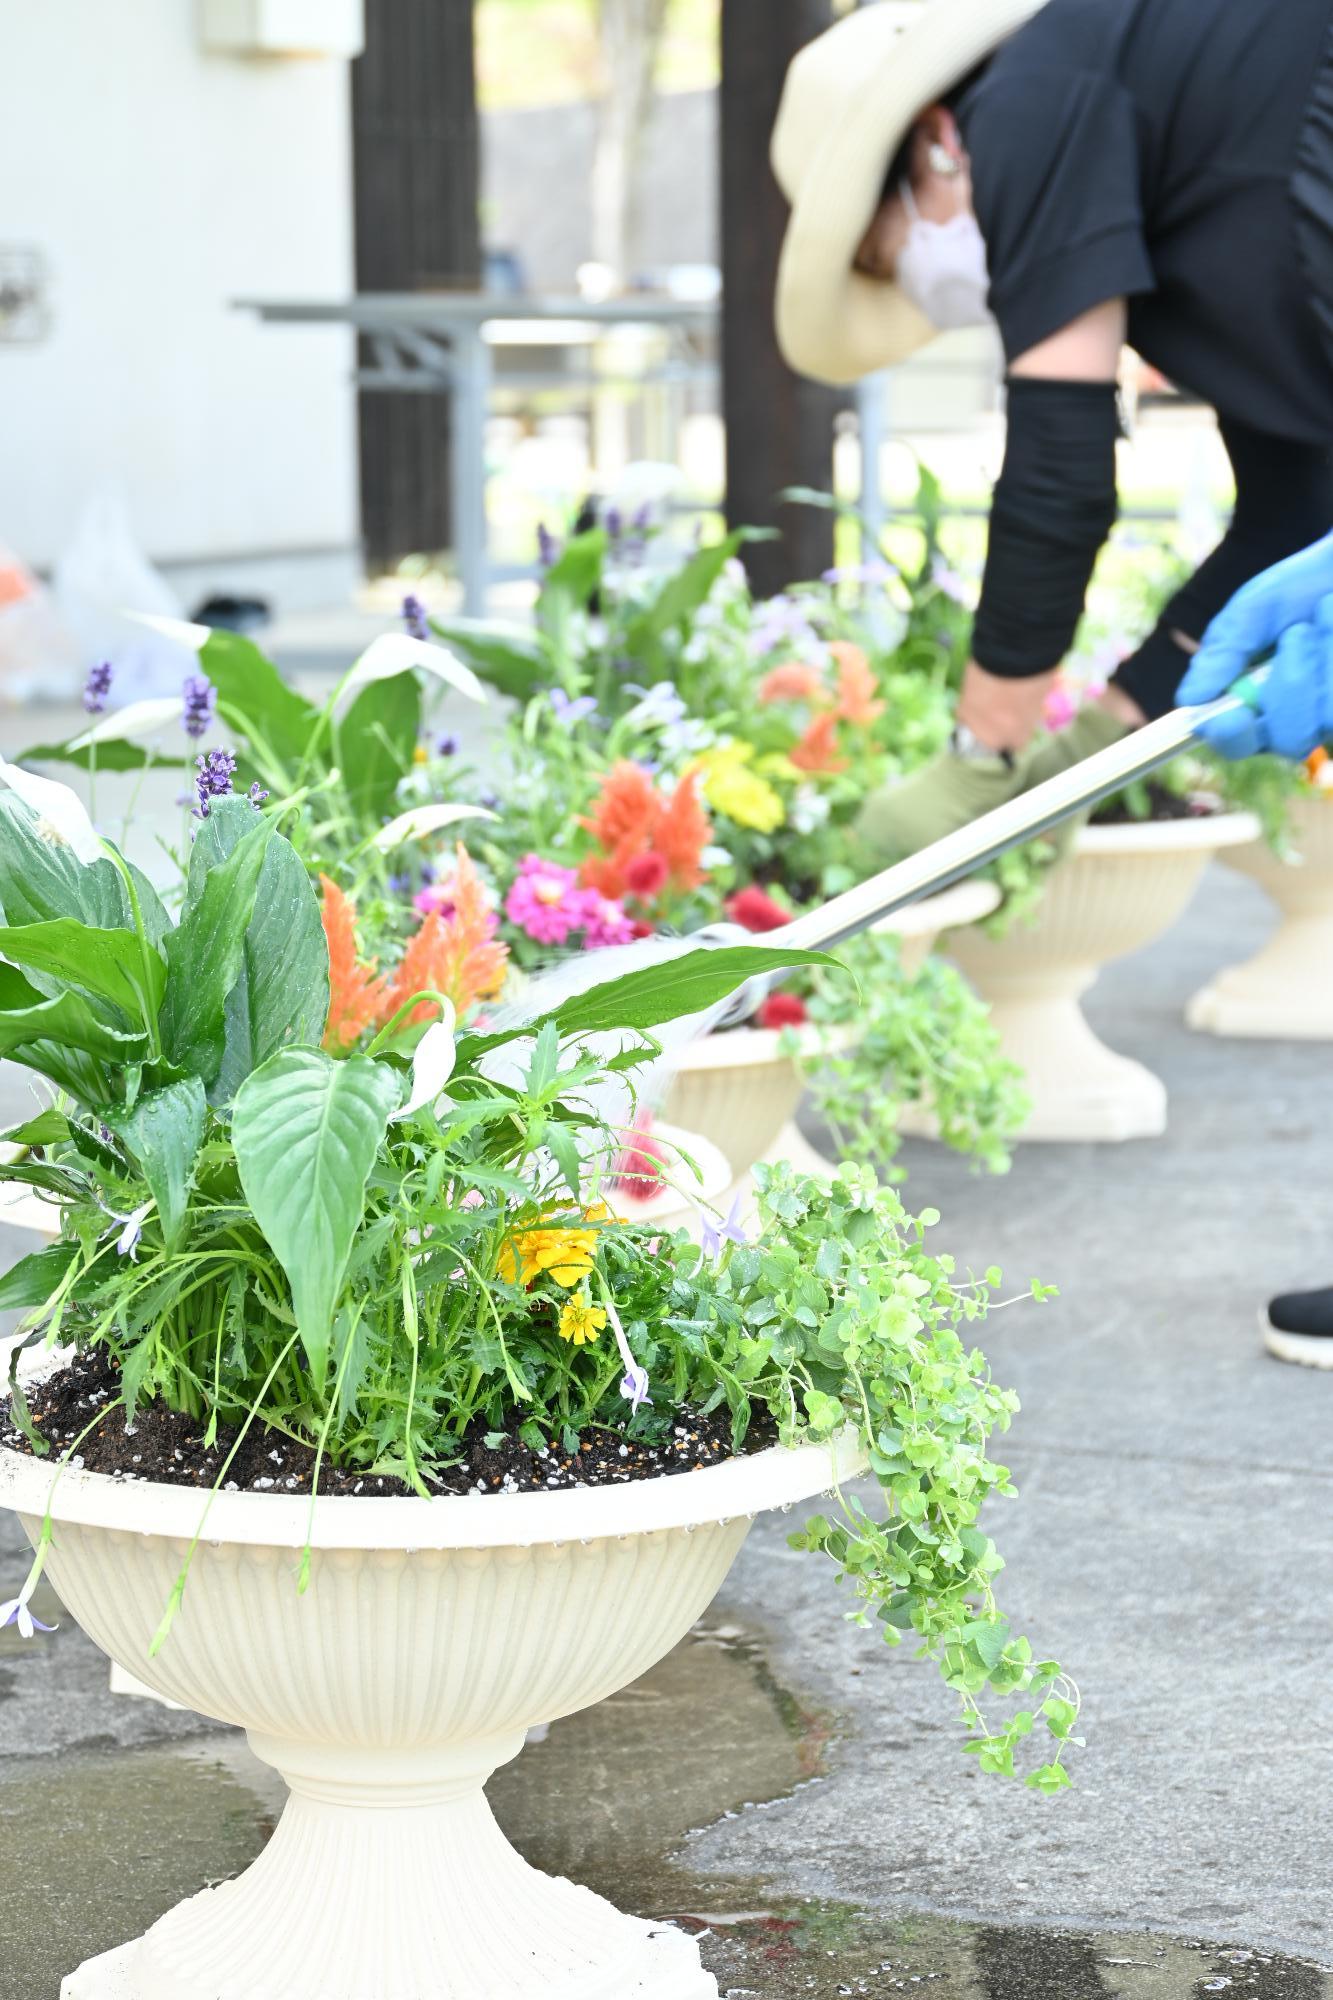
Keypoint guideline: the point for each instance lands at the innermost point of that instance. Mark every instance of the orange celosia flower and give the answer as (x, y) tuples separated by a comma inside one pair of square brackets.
[(1315, 763), (356, 994), (683, 833), (817, 751), (627, 809), (457, 955), (792, 680), (856, 684)]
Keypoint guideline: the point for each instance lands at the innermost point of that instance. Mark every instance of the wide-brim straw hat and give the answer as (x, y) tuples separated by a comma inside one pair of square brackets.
[(850, 99)]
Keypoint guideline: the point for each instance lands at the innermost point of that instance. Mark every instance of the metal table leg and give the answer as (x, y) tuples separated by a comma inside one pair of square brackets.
[(472, 396)]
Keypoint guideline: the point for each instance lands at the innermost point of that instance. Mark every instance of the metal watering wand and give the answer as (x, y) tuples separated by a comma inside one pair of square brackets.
[(959, 854)]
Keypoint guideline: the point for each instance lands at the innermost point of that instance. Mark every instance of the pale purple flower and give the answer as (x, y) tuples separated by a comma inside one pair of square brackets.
[(216, 769), (201, 700), (127, 1243), (447, 746), (950, 584), (256, 795), (97, 688), (713, 1234), (781, 621), (634, 1387), (614, 523), (547, 546), (415, 617), (569, 709), (16, 1612), (873, 572)]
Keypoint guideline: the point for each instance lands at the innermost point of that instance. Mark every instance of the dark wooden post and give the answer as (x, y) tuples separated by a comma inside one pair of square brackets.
[(779, 427), (416, 179)]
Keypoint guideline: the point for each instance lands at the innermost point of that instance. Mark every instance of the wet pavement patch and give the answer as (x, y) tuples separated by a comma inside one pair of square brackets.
[(101, 1840)]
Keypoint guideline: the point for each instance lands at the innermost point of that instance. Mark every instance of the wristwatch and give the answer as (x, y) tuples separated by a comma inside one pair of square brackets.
[(966, 744)]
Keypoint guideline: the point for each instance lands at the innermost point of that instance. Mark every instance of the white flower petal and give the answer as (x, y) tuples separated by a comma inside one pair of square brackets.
[(180, 629), (61, 813), (132, 723), (418, 821), (432, 1065), (397, 652)]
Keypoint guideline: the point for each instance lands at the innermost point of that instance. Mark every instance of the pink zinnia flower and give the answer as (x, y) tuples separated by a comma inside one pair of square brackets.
[(604, 922), (1060, 707), (437, 900), (545, 900)]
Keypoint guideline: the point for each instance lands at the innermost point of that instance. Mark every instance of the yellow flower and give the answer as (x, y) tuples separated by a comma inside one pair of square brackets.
[(737, 792), (581, 1322), (421, 755), (564, 1253)]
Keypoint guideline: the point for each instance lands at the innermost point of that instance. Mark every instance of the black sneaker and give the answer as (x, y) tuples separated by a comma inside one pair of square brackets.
[(1299, 1327)]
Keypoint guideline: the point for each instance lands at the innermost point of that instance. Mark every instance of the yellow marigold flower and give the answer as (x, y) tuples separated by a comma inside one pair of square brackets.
[(563, 1253), (738, 793), (581, 1322)]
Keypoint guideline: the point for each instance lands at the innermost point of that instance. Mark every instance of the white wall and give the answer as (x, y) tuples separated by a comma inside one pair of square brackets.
[(162, 181)]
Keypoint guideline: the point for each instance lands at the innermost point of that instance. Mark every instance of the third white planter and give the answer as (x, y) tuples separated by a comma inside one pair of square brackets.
[(1121, 888), (1285, 992)]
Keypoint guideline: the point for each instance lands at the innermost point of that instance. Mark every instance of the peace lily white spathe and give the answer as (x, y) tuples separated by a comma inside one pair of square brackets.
[(397, 653), (61, 814), (419, 821), (133, 723), (432, 1064)]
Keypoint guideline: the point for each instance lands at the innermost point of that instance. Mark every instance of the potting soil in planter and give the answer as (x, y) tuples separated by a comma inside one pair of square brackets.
[(167, 1446)]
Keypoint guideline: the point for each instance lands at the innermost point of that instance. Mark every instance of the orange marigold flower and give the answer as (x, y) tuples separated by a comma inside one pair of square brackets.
[(356, 994), (683, 833), (458, 955), (561, 1251), (817, 751), (791, 680), (856, 684)]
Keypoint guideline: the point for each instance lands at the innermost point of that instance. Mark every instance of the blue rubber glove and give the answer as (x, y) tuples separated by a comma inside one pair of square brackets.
[(1289, 607)]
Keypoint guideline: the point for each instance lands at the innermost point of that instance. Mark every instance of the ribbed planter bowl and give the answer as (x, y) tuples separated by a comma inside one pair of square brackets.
[(432, 1636), (1121, 888), (741, 1090), (1285, 992)]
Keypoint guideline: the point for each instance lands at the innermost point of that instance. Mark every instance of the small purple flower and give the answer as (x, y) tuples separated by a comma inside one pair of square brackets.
[(216, 769), (713, 1235), (398, 885), (447, 747), (415, 617), (547, 546), (256, 795), (872, 572), (570, 709), (614, 523), (634, 1388), (97, 688), (16, 1612), (201, 701)]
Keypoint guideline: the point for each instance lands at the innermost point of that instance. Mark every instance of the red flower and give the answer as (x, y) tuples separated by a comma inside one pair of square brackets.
[(756, 911), (646, 876), (641, 929), (782, 1010)]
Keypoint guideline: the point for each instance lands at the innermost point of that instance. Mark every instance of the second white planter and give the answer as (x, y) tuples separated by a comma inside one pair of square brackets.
[(740, 1089), (1285, 992), (1121, 888)]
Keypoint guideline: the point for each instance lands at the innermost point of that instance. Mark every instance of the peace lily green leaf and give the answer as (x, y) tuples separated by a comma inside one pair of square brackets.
[(32, 1280), (42, 878), (115, 755), (48, 1128), (69, 1019), (510, 658), (205, 954), (306, 1131), (281, 998), (163, 1133), (254, 698), (376, 740), (681, 596), (106, 965)]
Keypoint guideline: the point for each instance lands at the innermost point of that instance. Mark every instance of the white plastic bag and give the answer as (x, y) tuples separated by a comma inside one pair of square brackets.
[(101, 578), (39, 655)]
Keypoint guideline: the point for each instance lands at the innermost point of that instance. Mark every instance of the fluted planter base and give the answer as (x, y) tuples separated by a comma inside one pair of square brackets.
[(432, 1637), (433, 1904), (1285, 992), (1121, 888)]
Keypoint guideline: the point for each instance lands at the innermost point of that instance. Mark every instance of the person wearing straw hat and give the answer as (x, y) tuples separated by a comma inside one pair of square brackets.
[(1086, 174)]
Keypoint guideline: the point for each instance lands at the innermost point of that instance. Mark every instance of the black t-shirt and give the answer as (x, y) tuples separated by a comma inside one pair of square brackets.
[(1146, 148)]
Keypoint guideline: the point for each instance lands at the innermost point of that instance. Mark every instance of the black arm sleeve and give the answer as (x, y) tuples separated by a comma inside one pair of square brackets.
[(1284, 501), (1054, 506)]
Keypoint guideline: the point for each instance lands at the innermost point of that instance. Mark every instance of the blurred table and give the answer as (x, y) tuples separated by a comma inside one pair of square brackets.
[(443, 344)]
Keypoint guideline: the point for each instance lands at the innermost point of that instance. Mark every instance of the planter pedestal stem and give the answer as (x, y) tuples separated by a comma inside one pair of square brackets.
[(1285, 992), (434, 1904)]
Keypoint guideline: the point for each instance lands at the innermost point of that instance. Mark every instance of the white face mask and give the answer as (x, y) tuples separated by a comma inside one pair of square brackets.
[(942, 268)]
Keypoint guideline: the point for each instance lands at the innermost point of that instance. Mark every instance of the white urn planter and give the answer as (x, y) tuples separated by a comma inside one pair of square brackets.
[(1120, 888), (740, 1089), (1285, 992), (432, 1637)]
